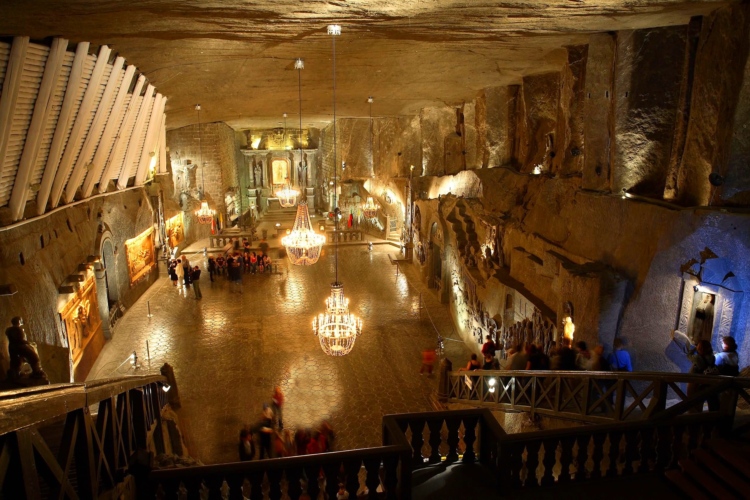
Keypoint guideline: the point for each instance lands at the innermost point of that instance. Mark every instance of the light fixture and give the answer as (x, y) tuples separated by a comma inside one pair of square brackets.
[(337, 329), (287, 196), (492, 383), (303, 245), (370, 208), (165, 387), (205, 214), (569, 327)]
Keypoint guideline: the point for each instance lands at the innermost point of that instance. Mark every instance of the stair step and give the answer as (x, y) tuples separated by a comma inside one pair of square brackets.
[(732, 454), (739, 484), (706, 480), (685, 485)]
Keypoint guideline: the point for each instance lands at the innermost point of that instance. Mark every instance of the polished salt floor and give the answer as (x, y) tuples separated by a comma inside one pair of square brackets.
[(231, 348)]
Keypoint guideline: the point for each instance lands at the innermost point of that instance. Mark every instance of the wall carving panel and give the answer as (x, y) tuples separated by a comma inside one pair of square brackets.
[(81, 320), (175, 230), (140, 254)]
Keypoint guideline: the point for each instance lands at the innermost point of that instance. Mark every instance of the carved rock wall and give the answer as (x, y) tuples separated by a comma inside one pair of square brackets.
[(38, 269)]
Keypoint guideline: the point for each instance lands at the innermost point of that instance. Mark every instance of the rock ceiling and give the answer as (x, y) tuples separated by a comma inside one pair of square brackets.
[(236, 57)]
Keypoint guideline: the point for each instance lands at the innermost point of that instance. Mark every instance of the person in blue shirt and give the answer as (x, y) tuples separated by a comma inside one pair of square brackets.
[(619, 360)]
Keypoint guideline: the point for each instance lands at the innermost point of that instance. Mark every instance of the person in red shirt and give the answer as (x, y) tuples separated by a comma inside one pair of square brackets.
[(489, 347), (428, 360)]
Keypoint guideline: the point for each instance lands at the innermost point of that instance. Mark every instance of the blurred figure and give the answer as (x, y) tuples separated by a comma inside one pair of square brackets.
[(490, 363), (489, 347), (246, 446), (301, 438), (727, 361), (428, 360), (277, 401), (472, 365), (327, 437), (619, 360), (265, 433), (583, 358)]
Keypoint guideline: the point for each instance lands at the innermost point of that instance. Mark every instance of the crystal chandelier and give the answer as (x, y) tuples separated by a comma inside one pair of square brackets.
[(303, 244), (337, 329), (205, 214), (287, 196), (370, 209)]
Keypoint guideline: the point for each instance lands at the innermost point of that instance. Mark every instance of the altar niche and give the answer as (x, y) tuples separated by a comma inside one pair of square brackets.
[(711, 300), (82, 325)]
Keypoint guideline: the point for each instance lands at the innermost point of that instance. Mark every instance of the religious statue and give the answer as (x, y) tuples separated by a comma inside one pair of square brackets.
[(302, 174), (703, 322), (20, 350)]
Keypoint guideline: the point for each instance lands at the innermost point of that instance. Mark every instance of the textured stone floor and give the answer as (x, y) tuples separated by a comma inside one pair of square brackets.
[(230, 349)]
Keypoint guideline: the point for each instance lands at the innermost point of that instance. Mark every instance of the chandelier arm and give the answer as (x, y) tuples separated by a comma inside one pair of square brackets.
[(200, 151), (299, 139)]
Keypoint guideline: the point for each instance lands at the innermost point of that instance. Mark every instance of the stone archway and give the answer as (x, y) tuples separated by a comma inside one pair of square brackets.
[(109, 267)]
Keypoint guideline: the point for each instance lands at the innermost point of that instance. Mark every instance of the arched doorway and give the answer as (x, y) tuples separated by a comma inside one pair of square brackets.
[(108, 259)]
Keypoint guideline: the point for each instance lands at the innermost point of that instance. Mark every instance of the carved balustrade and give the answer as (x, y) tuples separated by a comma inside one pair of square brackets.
[(595, 397), (345, 235), (222, 240), (93, 451)]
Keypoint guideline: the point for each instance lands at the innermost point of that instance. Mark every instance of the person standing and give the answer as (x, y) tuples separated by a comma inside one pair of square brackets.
[(727, 361), (265, 433), (179, 272), (246, 446), (489, 347), (428, 361), (277, 401), (173, 272), (619, 360), (195, 277), (186, 270), (211, 268)]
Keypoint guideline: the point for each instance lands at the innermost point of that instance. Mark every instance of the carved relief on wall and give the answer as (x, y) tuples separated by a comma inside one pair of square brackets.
[(279, 171), (140, 255), (175, 230), (80, 319)]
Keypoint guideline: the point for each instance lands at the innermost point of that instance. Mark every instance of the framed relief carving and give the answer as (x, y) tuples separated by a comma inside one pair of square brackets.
[(140, 255), (175, 230), (81, 320)]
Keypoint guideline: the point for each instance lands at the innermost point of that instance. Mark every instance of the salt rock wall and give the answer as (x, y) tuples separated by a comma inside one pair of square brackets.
[(38, 256), (217, 148)]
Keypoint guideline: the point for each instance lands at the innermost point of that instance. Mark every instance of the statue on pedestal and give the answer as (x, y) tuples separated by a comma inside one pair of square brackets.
[(20, 350)]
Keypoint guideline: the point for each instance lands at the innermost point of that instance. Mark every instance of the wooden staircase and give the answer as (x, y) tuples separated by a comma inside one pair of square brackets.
[(719, 470)]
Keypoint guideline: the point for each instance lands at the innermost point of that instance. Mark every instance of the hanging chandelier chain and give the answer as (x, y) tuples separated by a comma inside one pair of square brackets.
[(335, 168), (200, 151)]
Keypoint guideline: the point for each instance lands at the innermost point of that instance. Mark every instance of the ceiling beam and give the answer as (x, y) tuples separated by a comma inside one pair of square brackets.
[(133, 151), (123, 136), (163, 144), (10, 90), (109, 135), (39, 119), (95, 131), (152, 135), (77, 132), (72, 89)]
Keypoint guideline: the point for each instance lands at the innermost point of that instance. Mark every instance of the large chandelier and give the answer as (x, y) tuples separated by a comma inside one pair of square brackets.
[(337, 329), (303, 244), (204, 214), (370, 208)]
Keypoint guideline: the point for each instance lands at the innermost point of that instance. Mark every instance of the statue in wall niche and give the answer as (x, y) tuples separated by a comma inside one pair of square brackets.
[(703, 321), (302, 174), (20, 350)]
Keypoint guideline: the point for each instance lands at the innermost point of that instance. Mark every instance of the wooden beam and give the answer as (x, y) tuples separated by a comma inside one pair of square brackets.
[(95, 132), (28, 465), (123, 136), (50, 467), (163, 145), (109, 135), (82, 120), (72, 89), (9, 97), (133, 144), (152, 135), (39, 120)]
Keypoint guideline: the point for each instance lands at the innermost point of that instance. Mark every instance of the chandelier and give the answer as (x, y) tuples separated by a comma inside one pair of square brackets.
[(370, 209), (336, 328), (205, 214), (287, 196), (303, 244)]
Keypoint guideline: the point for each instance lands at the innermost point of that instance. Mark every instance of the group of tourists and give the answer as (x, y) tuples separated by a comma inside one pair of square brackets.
[(563, 357), (183, 275), (269, 437), (234, 265)]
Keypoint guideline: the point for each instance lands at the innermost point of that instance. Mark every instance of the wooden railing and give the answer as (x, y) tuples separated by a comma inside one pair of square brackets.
[(594, 397), (386, 468), (93, 451)]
